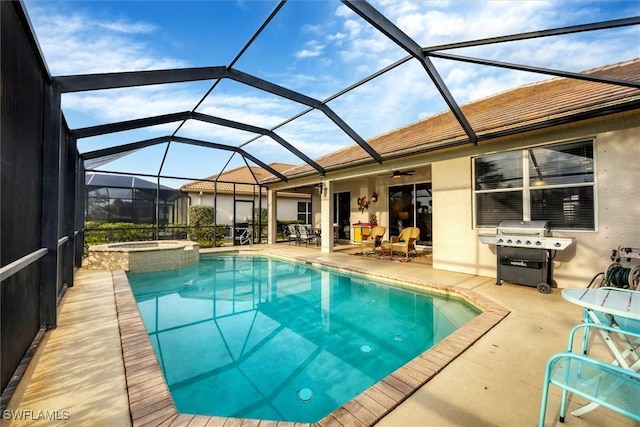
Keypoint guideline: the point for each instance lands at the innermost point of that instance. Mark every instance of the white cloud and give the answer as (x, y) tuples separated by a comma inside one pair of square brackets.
[(313, 48), (340, 53), (337, 38), (122, 26), (432, 23), (313, 29), (71, 44), (353, 28), (125, 104)]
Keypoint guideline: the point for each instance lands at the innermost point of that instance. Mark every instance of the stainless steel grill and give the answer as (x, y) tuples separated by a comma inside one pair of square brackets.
[(524, 253), (526, 234)]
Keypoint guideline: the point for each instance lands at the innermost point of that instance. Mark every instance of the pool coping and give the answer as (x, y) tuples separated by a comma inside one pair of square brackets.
[(150, 400)]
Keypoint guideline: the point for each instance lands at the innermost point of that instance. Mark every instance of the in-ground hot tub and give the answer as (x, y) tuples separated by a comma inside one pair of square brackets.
[(138, 257)]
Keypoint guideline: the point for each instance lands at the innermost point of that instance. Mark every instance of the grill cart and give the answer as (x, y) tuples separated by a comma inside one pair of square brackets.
[(524, 253)]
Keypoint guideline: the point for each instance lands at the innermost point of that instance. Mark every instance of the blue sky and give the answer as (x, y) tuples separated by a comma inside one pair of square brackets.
[(312, 47)]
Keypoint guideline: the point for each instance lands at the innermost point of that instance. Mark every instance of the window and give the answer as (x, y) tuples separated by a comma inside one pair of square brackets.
[(304, 212), (553, 183)]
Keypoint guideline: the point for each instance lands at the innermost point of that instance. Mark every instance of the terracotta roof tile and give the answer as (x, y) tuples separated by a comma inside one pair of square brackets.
[(244, 177), (540, 101)]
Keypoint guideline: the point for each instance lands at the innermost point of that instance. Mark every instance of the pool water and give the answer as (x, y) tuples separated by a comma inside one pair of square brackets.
[(254, 337)]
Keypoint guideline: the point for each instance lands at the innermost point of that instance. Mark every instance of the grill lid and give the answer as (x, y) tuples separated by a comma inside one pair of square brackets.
[(523, 228)]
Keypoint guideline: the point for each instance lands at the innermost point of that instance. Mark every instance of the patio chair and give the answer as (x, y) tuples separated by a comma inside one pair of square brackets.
[(246, 236), (294, 235), (375, 239), (602, 383), (405, 242), (305, 234)]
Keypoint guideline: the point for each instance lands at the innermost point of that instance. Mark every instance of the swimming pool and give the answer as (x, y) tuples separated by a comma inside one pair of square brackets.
[(256, 337)]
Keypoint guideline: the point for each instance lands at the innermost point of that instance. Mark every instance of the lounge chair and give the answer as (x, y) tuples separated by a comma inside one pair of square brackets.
[(405, 242), (375, 239)]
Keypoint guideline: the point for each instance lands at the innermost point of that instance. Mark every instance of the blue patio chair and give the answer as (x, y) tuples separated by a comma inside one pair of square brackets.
[(598, 381)]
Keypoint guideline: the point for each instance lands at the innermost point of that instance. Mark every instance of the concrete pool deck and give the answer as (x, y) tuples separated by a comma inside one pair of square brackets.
[(78, 369)]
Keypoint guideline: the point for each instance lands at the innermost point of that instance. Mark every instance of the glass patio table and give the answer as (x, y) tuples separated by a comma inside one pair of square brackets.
[(611, 306)]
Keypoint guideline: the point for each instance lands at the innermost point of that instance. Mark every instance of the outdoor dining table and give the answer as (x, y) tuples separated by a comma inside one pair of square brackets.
[(617, 302), (624, 307)]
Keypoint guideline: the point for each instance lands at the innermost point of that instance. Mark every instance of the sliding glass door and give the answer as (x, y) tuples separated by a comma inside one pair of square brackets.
[(342, 214), (410, 205)]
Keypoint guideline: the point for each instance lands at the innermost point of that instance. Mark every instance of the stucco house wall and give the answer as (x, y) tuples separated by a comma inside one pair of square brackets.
[(219, 190), (455, 238), (554, 111), (287, 208), (617, 150)]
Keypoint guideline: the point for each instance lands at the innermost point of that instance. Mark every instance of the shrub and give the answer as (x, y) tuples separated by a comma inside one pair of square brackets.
[(201, 226), (117, 232), (175, 232), (96, 233)]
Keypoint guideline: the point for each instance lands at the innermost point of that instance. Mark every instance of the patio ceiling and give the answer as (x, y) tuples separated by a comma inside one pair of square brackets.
[(213, 76)]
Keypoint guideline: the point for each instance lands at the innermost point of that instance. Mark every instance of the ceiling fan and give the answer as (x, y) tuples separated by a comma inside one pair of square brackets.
[(398, 174)]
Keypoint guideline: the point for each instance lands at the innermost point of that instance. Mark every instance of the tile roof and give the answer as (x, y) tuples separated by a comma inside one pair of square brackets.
[(244, 177), (514, 110)]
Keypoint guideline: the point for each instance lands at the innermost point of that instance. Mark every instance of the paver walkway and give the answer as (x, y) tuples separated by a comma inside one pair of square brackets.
[(76, 377)]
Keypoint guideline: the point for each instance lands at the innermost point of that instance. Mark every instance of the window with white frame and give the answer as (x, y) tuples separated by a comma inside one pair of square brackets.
[(553, 183), (304, 212)]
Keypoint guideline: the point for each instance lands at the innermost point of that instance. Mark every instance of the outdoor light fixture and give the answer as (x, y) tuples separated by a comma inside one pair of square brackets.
[(374, 197)]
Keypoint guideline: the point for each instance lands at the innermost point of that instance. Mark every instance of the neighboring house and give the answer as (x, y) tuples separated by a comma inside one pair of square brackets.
[(235, 194), (123, 198), (562, 150)]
